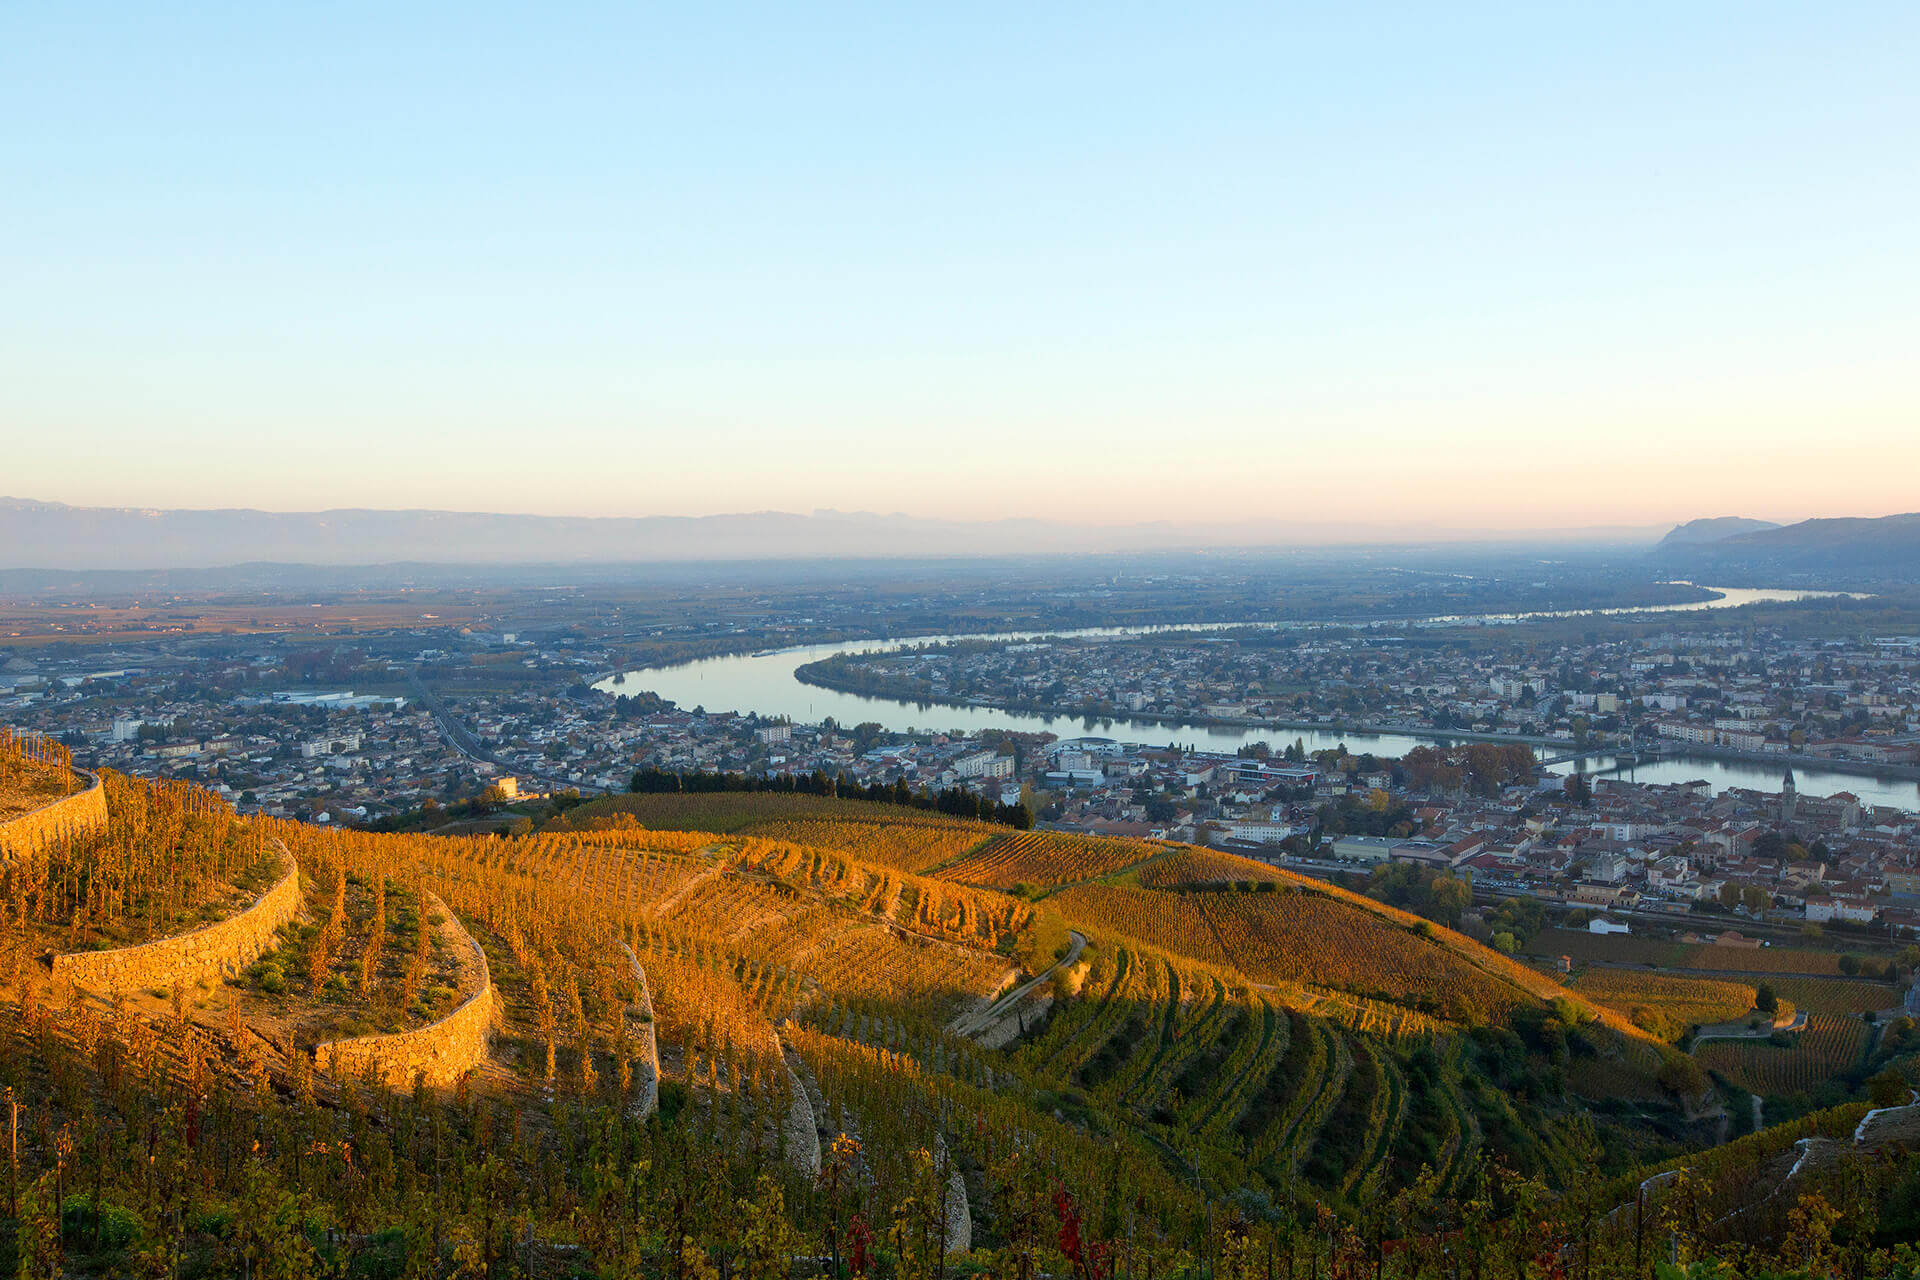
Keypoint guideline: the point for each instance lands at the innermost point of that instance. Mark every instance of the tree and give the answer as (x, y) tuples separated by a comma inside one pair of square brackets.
[(1450, 897), (1682, 1077), (1888, 1089), (1765, 1000)]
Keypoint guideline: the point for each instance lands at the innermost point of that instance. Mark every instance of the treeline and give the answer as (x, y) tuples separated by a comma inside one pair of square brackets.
[(954, 801)]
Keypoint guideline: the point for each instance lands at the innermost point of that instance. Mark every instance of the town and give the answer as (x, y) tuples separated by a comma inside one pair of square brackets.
[(1755, 692), (379, 727)]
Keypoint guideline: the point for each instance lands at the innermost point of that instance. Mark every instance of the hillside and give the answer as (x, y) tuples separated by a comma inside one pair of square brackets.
[(609, 1044), (1886, 547), (1711, 529)]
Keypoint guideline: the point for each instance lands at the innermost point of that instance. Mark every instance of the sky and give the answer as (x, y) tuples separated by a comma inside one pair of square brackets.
[(1526, 266)]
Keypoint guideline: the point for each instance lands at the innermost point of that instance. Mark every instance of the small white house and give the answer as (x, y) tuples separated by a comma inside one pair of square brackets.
[(1600, 924)]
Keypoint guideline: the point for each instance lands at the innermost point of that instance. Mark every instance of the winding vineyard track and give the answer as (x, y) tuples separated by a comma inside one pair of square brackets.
[(978, 1023)]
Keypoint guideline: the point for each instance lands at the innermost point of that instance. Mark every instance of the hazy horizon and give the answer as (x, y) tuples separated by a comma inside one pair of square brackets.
[(1462, 524)]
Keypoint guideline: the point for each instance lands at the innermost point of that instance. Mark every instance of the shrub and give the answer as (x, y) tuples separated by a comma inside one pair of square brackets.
[(118, 1227)]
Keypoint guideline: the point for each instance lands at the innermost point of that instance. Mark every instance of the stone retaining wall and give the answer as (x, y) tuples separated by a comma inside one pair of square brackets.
[(82, 811), (210, 953), (442, 1051), (1887, 1125)]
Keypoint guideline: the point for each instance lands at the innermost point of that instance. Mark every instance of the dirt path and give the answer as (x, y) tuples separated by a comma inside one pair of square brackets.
[(981, 1021)]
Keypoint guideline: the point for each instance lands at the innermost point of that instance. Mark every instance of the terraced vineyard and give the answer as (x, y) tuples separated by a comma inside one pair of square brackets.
[(911, 842), (1293, 1042), (33, 771), (1830, 1044), (1666, 1004), (1196, 866), (1305, 936), (1045, 859), (172, 856), (1192, 1054), (1835, 995), (882, 835)]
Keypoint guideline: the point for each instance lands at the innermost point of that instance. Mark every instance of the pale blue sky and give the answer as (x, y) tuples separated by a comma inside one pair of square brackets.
[(1527, 264)]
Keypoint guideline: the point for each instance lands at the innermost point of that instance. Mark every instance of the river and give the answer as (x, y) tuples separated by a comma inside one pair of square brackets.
[(764, 683)]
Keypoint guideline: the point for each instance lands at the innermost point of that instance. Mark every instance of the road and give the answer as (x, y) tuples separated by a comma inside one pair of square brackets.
[(463, 741), (456, 733)]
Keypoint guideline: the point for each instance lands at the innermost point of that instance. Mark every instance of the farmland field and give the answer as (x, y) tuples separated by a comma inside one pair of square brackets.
[(1589, 948), (1593, 948)]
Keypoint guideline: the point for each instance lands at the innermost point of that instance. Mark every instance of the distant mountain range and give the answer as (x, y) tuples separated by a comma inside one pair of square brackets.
[(52, 535), (1881, 547)]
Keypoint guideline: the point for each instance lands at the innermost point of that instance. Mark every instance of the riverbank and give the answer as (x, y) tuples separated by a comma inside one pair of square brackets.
[(1673, 597), (818, 674), (767, 683), (1796, 760)]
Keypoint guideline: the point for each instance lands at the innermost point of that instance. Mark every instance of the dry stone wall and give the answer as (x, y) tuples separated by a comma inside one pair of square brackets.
[(69, 815), (213, 952), (442, 1051)]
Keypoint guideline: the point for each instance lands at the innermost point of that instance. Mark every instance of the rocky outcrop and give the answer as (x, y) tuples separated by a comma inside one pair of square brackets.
[(442, 1051), (959, 1215), (802, 1130), (956, 1209), (83, 811), (211, 953), (646, 1072)]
